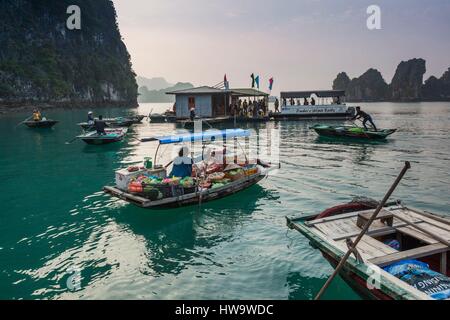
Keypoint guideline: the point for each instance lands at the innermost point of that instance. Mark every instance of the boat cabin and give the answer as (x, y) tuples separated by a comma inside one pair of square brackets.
[(212, 102), (314, 97)]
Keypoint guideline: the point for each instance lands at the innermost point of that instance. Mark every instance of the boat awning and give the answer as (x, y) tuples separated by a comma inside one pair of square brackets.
[(210, 135), (307, 94)]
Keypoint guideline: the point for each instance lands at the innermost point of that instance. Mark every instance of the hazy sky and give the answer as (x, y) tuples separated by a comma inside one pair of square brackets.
[(303, 44)]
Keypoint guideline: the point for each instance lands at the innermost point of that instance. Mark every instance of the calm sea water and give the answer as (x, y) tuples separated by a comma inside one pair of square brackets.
[(56, 223)]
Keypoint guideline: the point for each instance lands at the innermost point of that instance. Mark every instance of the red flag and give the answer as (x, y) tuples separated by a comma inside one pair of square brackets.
[(225, 78)]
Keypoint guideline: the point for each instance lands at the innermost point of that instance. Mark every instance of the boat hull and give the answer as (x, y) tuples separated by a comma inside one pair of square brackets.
[(41, 124), (329, 131), (188, 199), (321, 116), (100, 141)]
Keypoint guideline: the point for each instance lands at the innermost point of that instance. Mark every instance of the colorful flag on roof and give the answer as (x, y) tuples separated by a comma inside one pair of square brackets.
[(270, 84), (257, 81)]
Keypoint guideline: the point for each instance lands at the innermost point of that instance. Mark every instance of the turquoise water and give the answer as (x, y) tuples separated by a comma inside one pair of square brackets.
[(54, 216)]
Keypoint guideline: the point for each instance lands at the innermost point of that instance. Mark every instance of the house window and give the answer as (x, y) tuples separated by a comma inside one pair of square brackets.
[(191, 102)]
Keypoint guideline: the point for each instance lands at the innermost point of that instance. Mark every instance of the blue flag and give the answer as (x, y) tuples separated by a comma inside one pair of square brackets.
[(257, 81)]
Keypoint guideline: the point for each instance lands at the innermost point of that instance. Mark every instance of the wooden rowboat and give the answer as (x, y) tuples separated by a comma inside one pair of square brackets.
[(351, 132), (190, 198), (112, 135), (40, 124), (422, 238)]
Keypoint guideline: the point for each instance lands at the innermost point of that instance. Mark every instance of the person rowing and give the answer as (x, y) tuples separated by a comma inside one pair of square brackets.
[(367, 118), (90, 119), (37, 115), (100, 125)]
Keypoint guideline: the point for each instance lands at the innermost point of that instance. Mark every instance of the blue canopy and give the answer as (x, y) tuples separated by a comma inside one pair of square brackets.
[(210, 135)]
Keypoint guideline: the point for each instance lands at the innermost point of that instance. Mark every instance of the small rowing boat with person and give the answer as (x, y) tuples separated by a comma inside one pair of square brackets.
[(44, 123), (118, 122), (111, 135), (216, 172), (354, 132)]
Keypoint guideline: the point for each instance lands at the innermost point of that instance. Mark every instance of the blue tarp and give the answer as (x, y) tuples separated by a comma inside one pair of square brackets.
[(209, 135)]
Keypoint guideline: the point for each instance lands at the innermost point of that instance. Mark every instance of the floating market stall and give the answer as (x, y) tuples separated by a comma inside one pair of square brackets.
[(215, 174)]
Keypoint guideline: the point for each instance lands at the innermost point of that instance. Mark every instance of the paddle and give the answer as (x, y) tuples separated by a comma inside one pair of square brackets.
[(364, 230), (69, 142), (22, 122)]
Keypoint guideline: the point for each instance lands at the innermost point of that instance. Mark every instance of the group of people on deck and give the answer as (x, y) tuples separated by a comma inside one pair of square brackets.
[(250, 109), (306, 102)]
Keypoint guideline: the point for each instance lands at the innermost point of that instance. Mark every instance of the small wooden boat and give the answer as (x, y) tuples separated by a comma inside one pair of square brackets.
[(402, 256), (351, 132), (40, 124), (112, 135), (197, 193), (110, 123), (136, 118), (167, 116)]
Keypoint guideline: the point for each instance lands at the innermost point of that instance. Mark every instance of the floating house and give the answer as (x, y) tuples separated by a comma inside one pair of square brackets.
[(211, 102)]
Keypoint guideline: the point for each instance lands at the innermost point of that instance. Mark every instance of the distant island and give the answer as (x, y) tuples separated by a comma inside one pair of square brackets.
[(406, 85), (44, 63), (154, 89)]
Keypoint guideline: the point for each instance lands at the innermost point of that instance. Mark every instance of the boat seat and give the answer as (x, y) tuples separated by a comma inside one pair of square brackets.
[(410, 254)]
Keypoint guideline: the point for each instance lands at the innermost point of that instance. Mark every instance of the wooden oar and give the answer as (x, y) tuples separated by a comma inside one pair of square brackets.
[(364, 230), (23, 121), (69, 142)]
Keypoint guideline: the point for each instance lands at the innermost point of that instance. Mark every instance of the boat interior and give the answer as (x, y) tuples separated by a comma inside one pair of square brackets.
[(418, 236)]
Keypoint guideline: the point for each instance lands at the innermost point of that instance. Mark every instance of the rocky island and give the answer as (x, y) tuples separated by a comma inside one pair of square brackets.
[(406, 85), (44, 62)]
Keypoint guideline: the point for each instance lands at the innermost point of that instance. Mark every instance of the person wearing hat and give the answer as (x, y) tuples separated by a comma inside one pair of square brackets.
[(90, 118)]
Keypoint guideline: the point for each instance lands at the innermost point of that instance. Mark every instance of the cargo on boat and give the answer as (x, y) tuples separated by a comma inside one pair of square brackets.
[(45, 123), (111, 135), (315, 104), (351, 132), (404, 254), (216, 173)]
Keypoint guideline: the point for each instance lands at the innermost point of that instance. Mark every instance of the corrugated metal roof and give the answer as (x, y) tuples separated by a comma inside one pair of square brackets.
[(197, 90), (307, 94), (242, 92), (248, 92)]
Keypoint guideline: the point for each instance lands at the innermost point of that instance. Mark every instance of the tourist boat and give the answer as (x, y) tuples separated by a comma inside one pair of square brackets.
[(118, 122), (197, 193), (329, 105), (45, 123), (402, 256), (112, 135), (351, 132)]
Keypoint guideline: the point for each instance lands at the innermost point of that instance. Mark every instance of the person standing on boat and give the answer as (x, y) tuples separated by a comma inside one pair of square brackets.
[(100, 125), (90, 120), (367, 118), (305, 102), (277, 105), (313, 101), (192, 113), (182, 165)]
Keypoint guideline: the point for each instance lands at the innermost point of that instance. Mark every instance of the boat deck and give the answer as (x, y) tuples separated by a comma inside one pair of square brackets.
[(420, 234)]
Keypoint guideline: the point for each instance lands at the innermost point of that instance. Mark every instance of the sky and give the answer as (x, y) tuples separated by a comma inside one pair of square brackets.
[(302, 44)]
